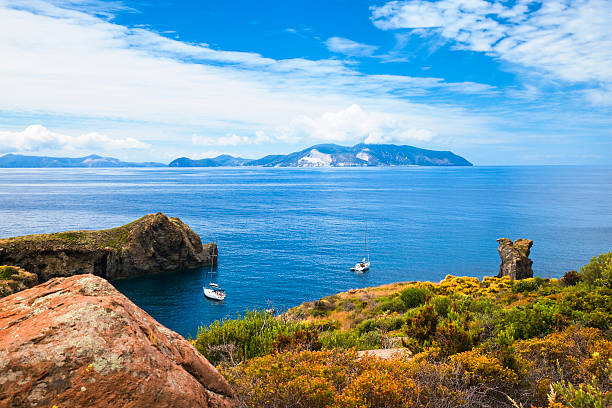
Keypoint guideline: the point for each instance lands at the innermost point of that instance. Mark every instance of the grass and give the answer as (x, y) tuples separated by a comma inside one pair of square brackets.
[(6, 272)]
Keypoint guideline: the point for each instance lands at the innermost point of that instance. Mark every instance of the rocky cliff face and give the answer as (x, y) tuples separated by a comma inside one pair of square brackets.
[(515, 261), (78, 342), (151, 244), (13, 279)]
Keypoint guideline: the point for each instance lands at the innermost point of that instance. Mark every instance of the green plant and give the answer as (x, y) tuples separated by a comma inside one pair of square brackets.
[(525, 285), (441, 304), (413, 297), (6, 272), (248, 336), (571, 278), (598, 272)]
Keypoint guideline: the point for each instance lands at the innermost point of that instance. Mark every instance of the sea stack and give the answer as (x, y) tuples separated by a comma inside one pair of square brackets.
[(152, 244), (515, 261), (78, 342)]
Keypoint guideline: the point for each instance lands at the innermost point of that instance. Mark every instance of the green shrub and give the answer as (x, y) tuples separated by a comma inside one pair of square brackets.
[(571, 278), (392, 323), (322, 307), (370, 340), (581, 396), (442, 304), (394, 304), (525, 285), (339, 339), (246, 337), (6, 272), (422, 326), (367, 326), (533, 320), (413, 297), (598, 272)]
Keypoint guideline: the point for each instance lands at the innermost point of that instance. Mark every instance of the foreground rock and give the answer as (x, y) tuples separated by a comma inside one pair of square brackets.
[(13, 279), (78, 342), (151, 244), (515, 261)]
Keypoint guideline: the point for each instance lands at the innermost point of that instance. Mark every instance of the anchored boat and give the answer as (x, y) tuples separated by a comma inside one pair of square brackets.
[(364, 265), (214, 292)]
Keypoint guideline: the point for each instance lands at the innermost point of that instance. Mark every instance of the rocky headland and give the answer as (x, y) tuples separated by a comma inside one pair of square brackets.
[(78, 342), (152, 244)]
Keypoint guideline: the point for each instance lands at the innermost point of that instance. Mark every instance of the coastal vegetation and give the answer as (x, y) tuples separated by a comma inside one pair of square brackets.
[(473, 342)]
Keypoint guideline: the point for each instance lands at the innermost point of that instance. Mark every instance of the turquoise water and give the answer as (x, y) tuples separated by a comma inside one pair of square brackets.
[(290, 235)]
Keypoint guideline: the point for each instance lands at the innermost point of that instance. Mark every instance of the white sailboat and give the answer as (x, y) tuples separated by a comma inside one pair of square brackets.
[(364, 265), (214, 292)]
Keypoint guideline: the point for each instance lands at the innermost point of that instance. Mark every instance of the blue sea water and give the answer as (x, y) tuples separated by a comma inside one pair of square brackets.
[(290, 235)]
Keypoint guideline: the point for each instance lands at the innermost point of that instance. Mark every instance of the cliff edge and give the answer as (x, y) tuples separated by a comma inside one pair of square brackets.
[(152, 244), (78, 342)]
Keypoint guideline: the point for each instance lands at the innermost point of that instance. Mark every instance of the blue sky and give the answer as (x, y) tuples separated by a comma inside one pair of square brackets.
[(499, 82)]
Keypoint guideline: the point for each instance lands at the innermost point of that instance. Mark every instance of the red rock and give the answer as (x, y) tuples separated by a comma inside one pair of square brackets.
[(78, 342)]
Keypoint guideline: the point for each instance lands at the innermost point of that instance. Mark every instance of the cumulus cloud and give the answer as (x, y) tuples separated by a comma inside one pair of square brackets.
[(571, 39), (349, 47), (36, 138), (93, 68), (354, 124)]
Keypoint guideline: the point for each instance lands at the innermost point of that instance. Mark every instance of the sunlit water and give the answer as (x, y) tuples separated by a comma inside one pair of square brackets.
[(290, 235)]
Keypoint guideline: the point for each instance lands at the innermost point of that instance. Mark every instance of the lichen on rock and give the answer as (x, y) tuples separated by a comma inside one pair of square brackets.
[(78, 342)]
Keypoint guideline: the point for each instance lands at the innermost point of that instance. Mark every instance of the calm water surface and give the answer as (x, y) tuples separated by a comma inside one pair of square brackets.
[(289, 235)]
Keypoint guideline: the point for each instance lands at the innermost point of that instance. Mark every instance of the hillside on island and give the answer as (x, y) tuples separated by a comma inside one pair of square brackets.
[(462, 342), (332, 155)]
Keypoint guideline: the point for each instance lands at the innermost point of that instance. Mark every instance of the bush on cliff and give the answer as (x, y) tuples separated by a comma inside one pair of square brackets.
[(598, 272)]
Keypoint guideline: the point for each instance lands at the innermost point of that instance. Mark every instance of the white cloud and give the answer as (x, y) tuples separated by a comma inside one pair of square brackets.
[(353, 125), (36, 138), (231, 139), (349, 47), (572, 39), (92, 68)]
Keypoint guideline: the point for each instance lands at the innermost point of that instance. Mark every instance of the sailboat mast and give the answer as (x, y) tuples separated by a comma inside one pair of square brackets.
[(366, 242)]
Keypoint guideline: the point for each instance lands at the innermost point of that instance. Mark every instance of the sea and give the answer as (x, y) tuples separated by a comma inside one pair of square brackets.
[(290, 235)]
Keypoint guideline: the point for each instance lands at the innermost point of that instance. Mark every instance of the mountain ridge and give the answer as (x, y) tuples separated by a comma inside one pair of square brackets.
[(93, 160), (333, 155), (320, 155)]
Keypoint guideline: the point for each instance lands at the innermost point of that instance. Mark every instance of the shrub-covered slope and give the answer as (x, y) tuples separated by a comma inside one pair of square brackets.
[(474, 343)]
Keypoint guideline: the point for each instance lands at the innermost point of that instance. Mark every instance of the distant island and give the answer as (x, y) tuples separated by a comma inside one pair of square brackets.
[(332, 155), (323, 155), (20, 161)]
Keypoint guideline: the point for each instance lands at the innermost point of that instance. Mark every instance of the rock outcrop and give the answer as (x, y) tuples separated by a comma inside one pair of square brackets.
[(151, 244), (13, 279), (78, 342), (515, 261)]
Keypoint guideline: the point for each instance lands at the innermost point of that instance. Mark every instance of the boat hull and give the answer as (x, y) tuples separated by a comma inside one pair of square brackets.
[(213, 294)]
